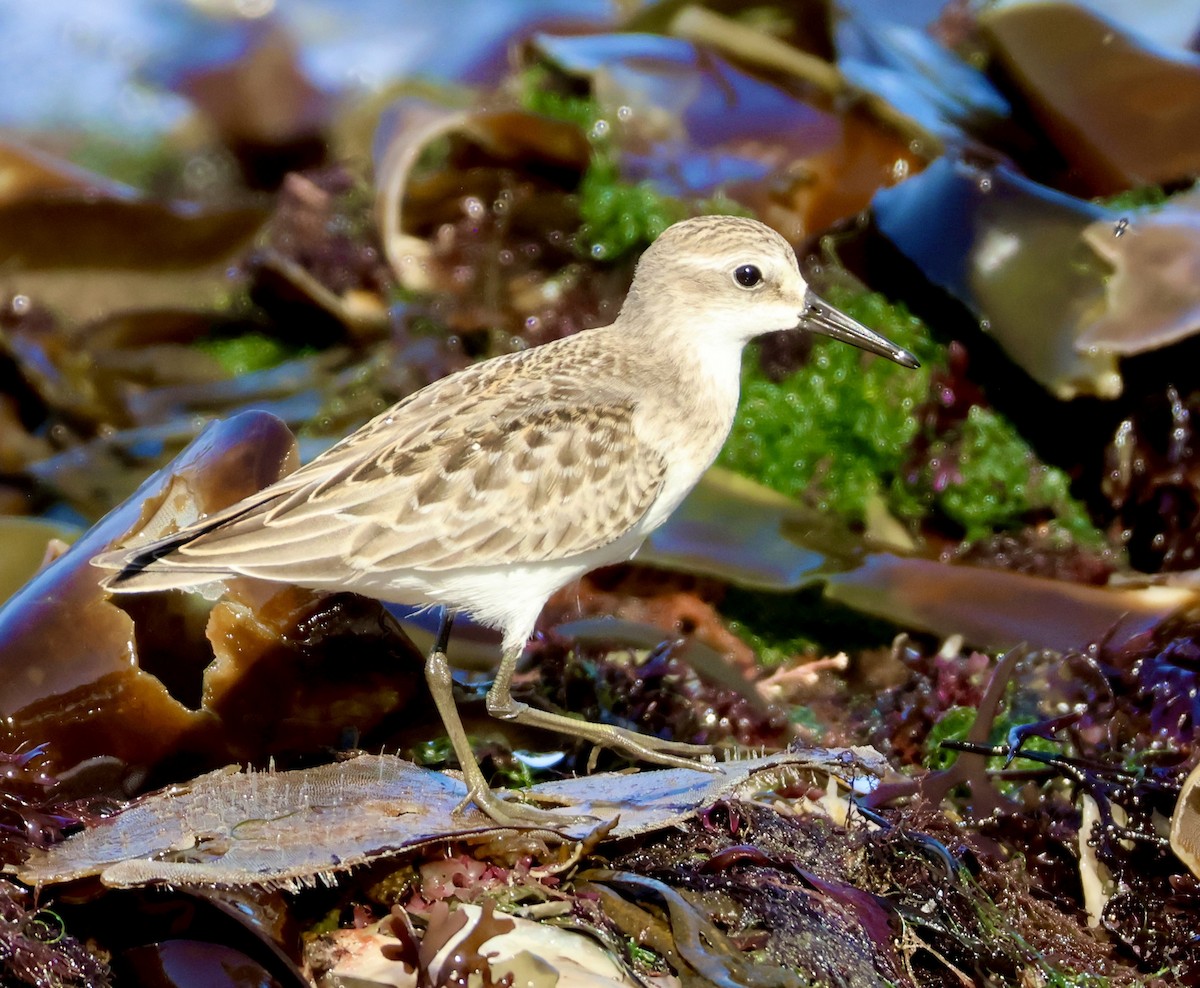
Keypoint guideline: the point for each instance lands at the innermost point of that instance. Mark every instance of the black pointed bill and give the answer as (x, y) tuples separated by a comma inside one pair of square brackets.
[(820, 317)]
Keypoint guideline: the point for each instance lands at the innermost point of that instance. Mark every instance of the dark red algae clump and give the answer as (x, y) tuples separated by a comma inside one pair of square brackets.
[(658, 694), (1152, 483), (1116, 726), (36, 950)]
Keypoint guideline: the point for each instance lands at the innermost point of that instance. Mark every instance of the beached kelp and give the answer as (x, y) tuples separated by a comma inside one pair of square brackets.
[(521, 223)]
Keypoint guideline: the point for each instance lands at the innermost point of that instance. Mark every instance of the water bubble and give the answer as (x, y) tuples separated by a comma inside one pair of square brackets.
[(533, 324), (600, 129), (625, 113), (598, 251), (20, 305), (899, 170), (505, 256), (473, 207), (200, 173), (985, 184), (985, 325)]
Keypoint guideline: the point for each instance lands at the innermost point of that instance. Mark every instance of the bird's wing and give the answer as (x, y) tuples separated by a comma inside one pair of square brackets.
[(538, 483)]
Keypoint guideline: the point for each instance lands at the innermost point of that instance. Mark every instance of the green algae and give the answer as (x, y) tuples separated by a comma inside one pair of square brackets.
[(504, 768), (541, 90), (248, 352), (840, 428), (643, 957), (955, 725), (618, 217), (1000, 482), (621, 217), (843, 430), (1140, 197)]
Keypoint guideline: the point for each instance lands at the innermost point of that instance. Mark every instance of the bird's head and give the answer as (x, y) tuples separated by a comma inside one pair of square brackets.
[(731, 279)]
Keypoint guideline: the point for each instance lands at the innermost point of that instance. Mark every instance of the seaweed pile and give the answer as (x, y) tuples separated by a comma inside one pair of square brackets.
[(961, 601)]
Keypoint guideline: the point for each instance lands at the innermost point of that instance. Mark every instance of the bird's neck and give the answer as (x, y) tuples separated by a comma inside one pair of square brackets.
[(695, 375)]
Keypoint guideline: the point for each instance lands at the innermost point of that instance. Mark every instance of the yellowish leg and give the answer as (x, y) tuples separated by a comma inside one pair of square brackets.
[(677, 754), (504, 812)]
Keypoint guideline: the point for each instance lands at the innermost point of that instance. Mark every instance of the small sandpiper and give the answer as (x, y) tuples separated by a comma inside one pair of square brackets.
[(488, 490)]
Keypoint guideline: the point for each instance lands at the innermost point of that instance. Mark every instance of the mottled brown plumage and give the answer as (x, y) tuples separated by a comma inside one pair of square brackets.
[(488, 490)]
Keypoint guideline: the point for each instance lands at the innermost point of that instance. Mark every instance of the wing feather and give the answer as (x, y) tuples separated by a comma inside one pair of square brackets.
[(545, 464), (535, 486)]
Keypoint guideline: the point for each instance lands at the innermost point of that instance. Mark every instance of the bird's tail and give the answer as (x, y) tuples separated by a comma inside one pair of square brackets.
[(158, 565), (143, 570), (148, 567)]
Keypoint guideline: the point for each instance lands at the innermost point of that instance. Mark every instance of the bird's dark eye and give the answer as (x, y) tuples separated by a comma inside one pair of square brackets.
[(748, 275)]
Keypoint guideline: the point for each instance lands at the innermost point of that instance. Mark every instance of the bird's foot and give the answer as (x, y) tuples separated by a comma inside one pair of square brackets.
[(676, 754), (507, 810)]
